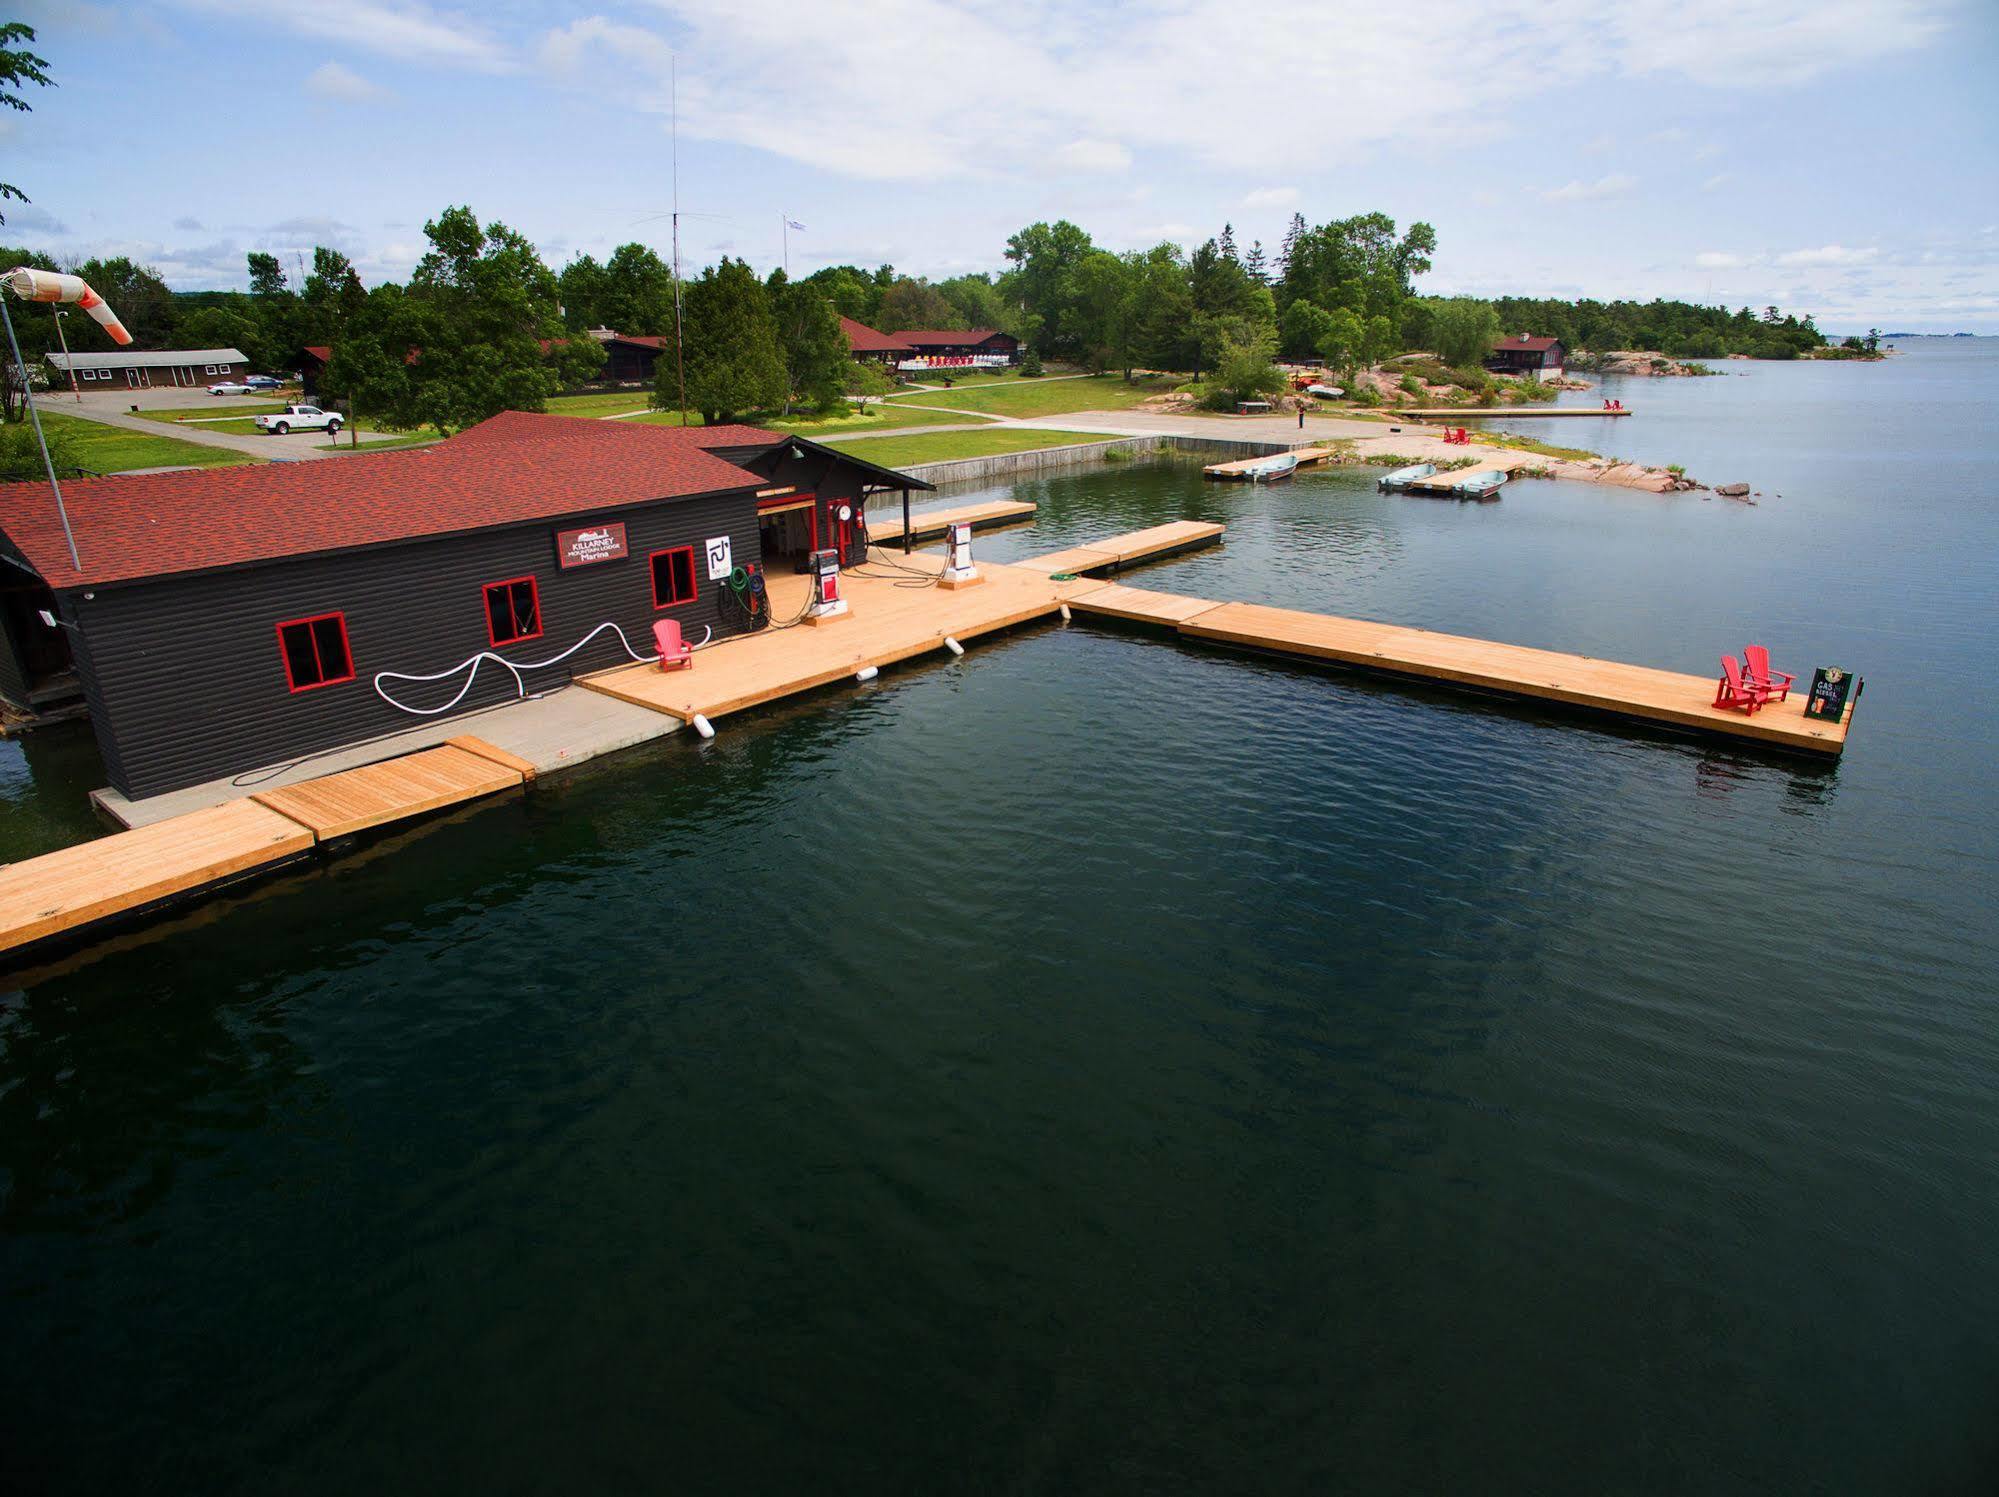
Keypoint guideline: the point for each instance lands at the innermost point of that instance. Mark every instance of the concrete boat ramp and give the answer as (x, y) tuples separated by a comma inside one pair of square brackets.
[(210, 836)]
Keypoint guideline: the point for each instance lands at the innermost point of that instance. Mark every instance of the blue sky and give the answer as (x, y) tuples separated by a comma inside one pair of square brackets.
[(1835, 156)]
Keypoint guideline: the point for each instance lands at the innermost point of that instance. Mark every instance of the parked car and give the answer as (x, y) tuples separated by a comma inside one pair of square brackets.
[(262, 382), (300, 418), (229, 387)]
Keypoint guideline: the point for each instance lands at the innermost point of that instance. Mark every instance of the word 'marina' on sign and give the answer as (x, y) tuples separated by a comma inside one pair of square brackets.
[(590, 545)]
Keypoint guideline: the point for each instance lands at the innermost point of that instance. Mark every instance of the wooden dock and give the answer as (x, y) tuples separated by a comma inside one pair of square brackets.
[(1306, 456), (1151, 544), (1577, 681), (1444, 483), (887, 529), (1456, 414), (130, 871)]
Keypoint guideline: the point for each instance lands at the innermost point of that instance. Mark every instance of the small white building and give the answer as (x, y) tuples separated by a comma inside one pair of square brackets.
[(128, 369)]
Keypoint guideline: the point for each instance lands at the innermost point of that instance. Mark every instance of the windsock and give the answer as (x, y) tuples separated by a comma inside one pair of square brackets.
[(53, 285)]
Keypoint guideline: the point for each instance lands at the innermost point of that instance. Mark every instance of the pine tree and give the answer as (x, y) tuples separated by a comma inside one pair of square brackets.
[(733, 363), (1226, 244), (1255, 263), (1292, 235)]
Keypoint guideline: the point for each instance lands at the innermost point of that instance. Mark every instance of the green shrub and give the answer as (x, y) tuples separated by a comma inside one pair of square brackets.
[(1367, 395), (1030, 365), (1534, 389), (1117, 454), (1469, 378), (21, 456), (1413, 386), (1489, 395)]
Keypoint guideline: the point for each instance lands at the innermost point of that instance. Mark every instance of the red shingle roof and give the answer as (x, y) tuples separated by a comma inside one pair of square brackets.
[(321, 351), (946, 337), (863, 339), (1526, 344), (516, 467)]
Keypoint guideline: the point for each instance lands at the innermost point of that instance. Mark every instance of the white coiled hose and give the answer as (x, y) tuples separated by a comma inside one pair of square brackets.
[(472, 663)]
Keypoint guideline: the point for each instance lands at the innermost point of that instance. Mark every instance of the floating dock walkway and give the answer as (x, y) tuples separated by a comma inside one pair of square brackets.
[(1446, 483), (134, 870), (1241, 467), (1460, 413), (890, 620), (888, 529), (1605, 686)]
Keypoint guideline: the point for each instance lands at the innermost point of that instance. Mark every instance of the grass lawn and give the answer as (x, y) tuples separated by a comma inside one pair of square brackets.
[(391, 444), (606, 403), (1048, 397), (112, 449), (942, 446), (879, 418), (206, 414)]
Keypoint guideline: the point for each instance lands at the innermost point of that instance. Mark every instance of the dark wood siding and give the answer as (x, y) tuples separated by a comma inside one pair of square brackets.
[(185, 681)]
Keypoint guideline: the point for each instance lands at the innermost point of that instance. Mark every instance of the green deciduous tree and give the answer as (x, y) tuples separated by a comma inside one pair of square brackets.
[(1042, 283), (1341, 339), (18, 66), (733, 362), (1462, 330), (916, 305)]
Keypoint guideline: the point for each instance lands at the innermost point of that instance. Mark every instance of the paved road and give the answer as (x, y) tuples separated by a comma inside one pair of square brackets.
[(114, 409)]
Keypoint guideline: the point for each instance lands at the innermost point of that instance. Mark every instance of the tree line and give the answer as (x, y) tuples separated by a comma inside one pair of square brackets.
[(484, 324)]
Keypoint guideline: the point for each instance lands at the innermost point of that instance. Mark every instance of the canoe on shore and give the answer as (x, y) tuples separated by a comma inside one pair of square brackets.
[(1401, 478)]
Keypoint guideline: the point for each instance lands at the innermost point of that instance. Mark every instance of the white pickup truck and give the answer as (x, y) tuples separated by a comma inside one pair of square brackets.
[(300, 418)]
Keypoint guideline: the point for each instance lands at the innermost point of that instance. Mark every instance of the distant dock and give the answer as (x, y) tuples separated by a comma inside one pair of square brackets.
[(1487, 412)]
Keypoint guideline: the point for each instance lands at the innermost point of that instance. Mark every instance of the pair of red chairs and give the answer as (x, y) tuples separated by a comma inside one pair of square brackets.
[(1458, 435), (1750, 683)]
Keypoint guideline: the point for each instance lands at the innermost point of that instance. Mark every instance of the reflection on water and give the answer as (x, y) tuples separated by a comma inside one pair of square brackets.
[(1096, 1063)]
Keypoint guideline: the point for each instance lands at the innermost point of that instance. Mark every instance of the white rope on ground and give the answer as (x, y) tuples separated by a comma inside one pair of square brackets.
[(520, 682)]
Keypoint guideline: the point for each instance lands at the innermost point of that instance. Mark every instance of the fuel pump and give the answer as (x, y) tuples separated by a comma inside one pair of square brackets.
[(827, 603), (958, 568)]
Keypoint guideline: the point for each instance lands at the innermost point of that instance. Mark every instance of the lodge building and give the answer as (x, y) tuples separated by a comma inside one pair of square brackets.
[(1535, 358), (975, 343), (129, 369), (227, 619)]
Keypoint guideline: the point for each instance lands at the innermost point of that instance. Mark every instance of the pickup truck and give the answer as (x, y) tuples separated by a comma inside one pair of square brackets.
[(300, 418)]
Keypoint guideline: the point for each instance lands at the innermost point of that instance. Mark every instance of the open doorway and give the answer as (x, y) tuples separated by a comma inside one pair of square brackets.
[(788, 530)]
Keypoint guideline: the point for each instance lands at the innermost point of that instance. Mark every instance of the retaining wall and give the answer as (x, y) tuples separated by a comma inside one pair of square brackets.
[(1005, 465)]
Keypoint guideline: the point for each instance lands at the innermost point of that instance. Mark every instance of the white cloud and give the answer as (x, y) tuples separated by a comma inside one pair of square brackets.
[(406, 30), (1078, 75), (1092, 156), (1722, 260), (1718, 180), (1271, 197), (1614, 185), (332, 81), (1828, 254)]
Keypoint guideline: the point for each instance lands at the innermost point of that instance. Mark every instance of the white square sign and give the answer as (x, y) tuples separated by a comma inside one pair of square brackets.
[(719, 564)]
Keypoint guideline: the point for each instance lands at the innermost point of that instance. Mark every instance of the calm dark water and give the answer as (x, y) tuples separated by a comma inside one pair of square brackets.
[(1104, 1065)]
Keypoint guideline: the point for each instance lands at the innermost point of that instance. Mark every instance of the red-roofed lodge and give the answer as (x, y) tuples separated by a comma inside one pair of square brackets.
[(226, 619)]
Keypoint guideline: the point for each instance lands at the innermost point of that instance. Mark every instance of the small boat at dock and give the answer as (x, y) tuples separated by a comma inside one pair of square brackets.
[(1482, 485), (1269, 469), (1401, 478)]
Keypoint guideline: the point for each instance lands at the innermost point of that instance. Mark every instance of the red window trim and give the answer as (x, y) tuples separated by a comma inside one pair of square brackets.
[(534, 588), (652, 577), (284, 655)]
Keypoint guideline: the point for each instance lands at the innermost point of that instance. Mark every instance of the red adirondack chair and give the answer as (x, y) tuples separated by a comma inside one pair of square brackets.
[(1771, 686), (1734, 691), (674, 652)]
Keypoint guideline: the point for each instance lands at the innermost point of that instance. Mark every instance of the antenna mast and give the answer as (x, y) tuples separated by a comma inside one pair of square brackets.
[(679, 363)]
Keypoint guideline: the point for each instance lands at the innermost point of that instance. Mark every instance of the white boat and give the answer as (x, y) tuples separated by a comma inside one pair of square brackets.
[(1401, 478), (1270, 469), (1325, 392), (1483, 484)]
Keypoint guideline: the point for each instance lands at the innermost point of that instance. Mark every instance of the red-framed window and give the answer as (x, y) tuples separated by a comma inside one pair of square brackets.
[(513, 610), (673, 577), (315, 651)]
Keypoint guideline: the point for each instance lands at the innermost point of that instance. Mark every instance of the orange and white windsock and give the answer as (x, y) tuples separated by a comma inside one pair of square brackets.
[(53, 285)]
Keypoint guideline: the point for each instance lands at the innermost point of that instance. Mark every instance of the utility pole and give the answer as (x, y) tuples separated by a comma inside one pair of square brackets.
[(73, 388), (679, 362), (784, 228), (34, 416)]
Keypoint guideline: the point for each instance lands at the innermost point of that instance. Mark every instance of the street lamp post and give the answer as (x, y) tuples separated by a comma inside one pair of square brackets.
[(73, 388)]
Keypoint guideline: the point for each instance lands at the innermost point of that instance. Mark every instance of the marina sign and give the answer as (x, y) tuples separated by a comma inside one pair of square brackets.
[(590, 545)]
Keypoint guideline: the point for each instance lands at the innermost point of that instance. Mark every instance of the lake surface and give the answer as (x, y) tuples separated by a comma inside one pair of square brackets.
[(1102, 1064)]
